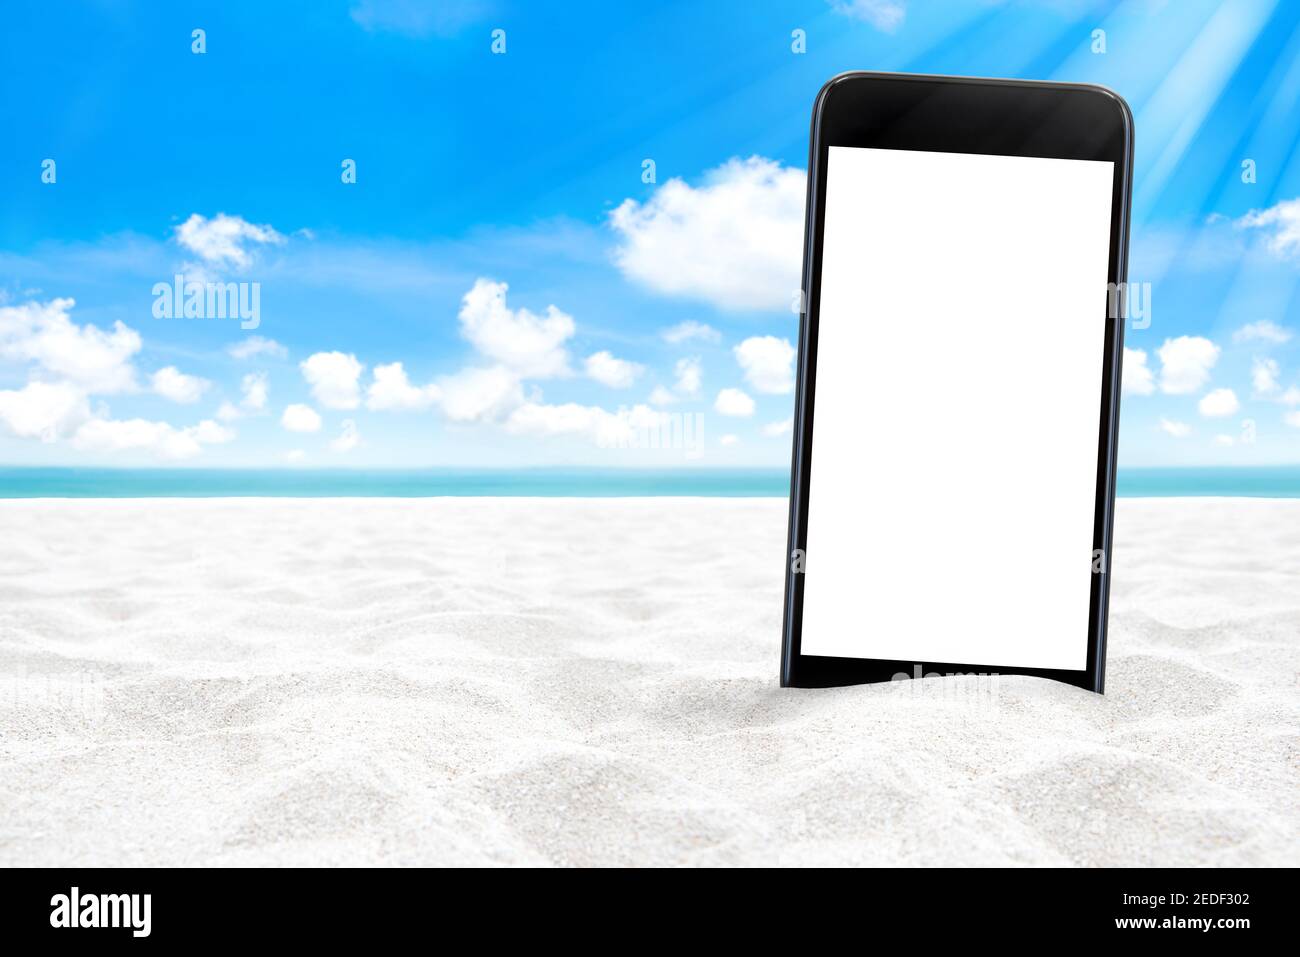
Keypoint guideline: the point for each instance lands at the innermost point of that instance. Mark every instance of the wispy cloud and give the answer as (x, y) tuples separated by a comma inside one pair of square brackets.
[(690, 331), (257, 346), (418, 18), (1280, 226), (780, 427), (349, 437), (886, 15), (1265, 330)]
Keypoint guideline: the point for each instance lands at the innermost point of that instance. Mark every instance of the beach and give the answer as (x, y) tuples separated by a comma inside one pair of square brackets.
[(521, 681)]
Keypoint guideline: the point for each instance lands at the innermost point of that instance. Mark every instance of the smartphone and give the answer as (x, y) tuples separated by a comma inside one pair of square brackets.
[(957, 407)]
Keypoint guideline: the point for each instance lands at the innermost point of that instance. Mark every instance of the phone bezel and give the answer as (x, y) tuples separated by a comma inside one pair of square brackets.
[(958, 115)]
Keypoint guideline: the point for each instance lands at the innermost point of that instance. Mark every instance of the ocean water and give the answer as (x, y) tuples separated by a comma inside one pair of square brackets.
[(1263, 482), (388, 483)]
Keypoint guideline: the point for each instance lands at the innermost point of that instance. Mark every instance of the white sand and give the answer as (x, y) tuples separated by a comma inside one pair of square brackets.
[(490, 681)]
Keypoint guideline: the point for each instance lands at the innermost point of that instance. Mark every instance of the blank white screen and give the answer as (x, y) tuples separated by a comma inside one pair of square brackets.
[(958, 392)]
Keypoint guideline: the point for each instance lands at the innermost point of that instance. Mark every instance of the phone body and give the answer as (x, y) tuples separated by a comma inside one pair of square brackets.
[(976, 229)]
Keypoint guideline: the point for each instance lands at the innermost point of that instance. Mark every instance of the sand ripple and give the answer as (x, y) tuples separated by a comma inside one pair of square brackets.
[(593, 682)]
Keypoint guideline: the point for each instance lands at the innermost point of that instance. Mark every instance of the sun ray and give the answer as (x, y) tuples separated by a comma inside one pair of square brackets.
[(1173, 116)]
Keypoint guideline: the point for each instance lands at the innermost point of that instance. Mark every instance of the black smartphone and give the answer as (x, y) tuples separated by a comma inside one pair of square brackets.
[(960, 356)]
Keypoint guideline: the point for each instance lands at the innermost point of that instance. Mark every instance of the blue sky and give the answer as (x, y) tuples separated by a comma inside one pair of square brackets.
[(501, 243)]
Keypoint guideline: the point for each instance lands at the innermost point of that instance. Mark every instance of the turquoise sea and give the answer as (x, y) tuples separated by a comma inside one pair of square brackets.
[(386, 483), (1265, 482)]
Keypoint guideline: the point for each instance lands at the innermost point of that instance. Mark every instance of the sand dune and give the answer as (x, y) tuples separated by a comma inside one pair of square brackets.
[(515, 681)]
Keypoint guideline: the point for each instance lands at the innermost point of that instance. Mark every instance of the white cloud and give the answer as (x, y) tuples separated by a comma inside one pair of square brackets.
[(768, 363), (1262, 331), (254, 390), (1292, 418), (661, 396), (43, 410), (221, 240), (1224, 440), (480, 395), (527, 344), (257, 346), (615, 373), (158, 438), (110, 435), (689, 331), (86, 356), (295, 455), (782, 427), (1219, 403), (1176, 429), (1138, 379), (886, 15), (212, 433), (1290, 397), (1263, 376), (348, 439), (734, 402), (1185, 364), (391, 390), (300, 418), (334, 379), (1280, 225), (607, 429), (534, 418), (175, 386), (734, 241), (690, 373), (729, 440)]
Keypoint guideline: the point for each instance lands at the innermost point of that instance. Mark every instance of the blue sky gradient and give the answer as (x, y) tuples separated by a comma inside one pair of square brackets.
[(514, 167)]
